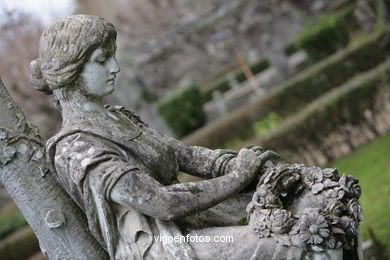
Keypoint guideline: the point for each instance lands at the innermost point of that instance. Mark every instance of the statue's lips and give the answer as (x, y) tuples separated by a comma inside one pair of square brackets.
[(111, 81)]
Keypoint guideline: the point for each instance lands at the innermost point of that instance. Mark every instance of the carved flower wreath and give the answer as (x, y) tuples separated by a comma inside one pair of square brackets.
[(306, 207)]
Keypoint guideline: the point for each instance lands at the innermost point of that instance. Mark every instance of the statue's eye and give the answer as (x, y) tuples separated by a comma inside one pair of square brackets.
[(101, 61)]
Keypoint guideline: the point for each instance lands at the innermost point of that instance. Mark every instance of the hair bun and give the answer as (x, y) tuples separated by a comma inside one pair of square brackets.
[(38, 82)]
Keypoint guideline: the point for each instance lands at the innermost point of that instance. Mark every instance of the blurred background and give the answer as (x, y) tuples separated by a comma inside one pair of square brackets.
[(309, 79)]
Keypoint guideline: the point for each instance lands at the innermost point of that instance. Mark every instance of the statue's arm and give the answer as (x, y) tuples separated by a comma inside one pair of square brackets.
[(141, 192), (102, 167), (200, 161)]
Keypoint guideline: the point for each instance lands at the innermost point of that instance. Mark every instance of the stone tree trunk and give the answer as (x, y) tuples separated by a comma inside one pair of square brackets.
[(58, 223)]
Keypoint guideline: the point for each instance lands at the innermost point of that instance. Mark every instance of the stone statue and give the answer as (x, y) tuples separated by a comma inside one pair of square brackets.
[(123, 174)]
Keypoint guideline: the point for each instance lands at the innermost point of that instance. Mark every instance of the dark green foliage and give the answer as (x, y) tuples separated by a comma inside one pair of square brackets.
[(325, 35), (290, 48), (329, 114), (182, 110), (10, 220), (297, 92), (244, 222), (327, 75)]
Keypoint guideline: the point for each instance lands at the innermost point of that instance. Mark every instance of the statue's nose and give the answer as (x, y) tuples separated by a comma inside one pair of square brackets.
[(114, 66)]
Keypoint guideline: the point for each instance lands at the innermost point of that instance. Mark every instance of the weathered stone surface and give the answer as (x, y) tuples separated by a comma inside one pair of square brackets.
[(308, 207), (123, 175)]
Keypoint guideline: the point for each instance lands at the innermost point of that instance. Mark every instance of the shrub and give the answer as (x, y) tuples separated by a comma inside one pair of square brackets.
[(325, 35), (331, 113), (182, 110)]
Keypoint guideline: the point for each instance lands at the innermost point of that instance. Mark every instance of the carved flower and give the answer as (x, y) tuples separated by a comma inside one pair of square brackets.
[(281, 221), (332, 242), (350, 185), (261, 230), (330, 184), (313, 180), (259, 199), (331, 173), (335, 193), (355, 209), (288, 182), (260, 223), (266, 198), (312, 229), (349, 225), (335, 206)]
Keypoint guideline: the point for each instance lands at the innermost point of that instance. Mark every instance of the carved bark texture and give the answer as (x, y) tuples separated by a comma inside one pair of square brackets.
[(59, 224)]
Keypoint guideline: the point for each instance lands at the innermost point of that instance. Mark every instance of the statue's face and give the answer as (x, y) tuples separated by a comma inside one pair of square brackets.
[(99, 73)]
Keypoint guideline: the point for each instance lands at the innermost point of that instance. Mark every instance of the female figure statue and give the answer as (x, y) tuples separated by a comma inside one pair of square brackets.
[(122, 173), (119, 171)]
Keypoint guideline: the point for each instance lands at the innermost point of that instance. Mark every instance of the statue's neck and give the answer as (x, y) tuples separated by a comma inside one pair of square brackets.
[(78, 104)]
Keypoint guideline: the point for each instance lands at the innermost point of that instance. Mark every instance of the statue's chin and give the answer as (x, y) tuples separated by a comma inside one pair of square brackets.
[(109, 89)]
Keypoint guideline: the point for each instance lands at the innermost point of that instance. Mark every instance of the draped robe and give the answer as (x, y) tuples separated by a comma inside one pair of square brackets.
[(88, 156)]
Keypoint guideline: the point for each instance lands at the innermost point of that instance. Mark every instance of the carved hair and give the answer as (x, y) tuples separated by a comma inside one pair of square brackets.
[(64, 48)]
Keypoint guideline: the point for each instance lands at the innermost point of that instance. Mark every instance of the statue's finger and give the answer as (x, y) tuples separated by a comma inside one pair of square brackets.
[(255, 148), (268, 155)]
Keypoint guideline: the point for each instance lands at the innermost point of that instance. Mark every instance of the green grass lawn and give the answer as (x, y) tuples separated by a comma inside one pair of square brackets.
[(371, 165)]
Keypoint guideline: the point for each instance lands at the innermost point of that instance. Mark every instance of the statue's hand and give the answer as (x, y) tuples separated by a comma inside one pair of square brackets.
[(263, 156), (248, 162)]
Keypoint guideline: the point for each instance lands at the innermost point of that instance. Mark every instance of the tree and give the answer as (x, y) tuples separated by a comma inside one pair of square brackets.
[(58, 223)]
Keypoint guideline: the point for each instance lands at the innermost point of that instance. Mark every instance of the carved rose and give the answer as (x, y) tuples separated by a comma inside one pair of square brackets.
[(350, 185), (355, 209), (313, 180), (312, 229), (281, 221)]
